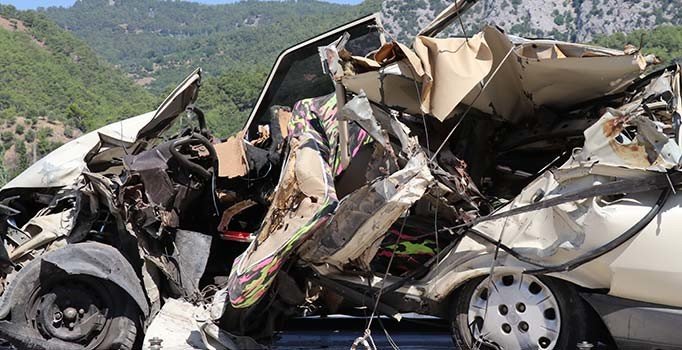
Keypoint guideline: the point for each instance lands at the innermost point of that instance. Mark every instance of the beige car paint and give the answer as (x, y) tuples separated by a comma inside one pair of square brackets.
[(63, 166), (394, 85), (557, 234), (452, 68), (552, 74), (525, 83), (43, 230), (232, 157), (442, 74)]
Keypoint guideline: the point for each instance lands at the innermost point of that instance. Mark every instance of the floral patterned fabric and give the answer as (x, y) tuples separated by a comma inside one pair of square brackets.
[(314, 126)]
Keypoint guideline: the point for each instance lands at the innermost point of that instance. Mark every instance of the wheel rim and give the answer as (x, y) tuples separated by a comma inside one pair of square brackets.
[(71, 309), (514, 311)]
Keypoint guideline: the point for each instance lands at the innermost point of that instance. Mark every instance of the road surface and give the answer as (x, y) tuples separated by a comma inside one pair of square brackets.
[(339, 333), (410, 334)]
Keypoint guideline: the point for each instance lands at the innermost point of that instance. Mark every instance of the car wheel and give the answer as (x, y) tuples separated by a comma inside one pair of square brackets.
[(79, 309), (516, 311)]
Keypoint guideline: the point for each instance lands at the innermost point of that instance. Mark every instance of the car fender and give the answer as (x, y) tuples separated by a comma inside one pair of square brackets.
[(462, 266)]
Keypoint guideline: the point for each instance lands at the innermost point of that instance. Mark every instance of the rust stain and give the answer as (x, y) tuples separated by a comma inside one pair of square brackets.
[(633, 154), (614, 126)]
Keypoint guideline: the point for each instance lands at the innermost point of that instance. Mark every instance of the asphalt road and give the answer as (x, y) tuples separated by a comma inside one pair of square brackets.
[(340, 333), (409, 334)]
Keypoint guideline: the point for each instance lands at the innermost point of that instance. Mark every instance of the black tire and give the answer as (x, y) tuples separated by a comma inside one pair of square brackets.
[(114, 315), (578, 322)]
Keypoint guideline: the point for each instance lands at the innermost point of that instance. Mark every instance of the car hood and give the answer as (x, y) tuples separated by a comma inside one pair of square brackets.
[(177, 102), (64, 165)]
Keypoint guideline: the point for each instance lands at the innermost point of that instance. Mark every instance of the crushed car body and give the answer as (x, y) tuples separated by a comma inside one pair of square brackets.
[(524, 190)]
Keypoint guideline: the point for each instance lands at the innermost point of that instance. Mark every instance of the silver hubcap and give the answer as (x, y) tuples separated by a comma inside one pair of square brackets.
[(514, 311)]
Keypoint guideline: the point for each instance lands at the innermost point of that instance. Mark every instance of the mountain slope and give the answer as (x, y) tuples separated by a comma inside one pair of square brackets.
[(573, 20), (53, 87), (45, 70), (158, 42)]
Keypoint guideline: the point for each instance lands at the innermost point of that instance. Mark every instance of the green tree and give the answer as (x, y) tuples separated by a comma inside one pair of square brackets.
[(7, 137), (77, 116), (44, 133), (60, 77), (23, 157), (30, 136), (664, 41)]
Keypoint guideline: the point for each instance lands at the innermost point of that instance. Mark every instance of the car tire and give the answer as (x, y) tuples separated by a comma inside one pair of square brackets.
[(79, 309), (514, 320)]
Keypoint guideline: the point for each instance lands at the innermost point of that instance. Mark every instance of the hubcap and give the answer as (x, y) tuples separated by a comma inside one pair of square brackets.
[(514, 311)]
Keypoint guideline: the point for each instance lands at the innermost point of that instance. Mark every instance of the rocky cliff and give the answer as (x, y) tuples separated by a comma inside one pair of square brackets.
[(574, 20)]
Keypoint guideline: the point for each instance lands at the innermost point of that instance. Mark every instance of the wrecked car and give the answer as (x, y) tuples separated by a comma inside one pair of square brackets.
[(524, 190)]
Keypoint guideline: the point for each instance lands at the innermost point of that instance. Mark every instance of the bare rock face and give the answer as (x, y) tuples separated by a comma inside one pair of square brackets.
[(573, 20)]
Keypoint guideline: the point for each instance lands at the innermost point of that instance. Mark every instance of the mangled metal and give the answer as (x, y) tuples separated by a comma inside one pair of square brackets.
[(63, 166), (409, 174), (353, 235), (440, 73)]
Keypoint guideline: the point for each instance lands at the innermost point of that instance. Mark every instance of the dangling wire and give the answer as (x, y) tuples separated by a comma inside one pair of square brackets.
[(364, 341), (214, 194), (493, 263), (391, 342), (435, 230), (464, 32), (368, 333), (480, 92), (419, 97)]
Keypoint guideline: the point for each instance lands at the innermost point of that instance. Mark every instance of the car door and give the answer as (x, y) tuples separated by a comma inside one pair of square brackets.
[(297, 72)]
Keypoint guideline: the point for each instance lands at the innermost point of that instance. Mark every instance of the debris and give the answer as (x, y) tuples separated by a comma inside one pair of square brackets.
[(174, 327), (403, 179)]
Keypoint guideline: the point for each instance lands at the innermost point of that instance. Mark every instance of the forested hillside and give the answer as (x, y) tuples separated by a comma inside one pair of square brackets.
[(159, 42), (664, 41), (53, 88)]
